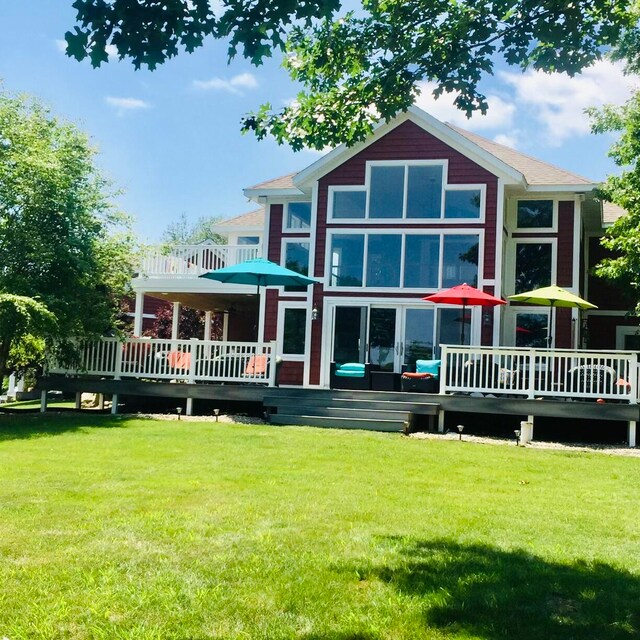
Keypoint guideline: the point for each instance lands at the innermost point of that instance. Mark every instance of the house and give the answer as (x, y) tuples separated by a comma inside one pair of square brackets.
[(419, 206)]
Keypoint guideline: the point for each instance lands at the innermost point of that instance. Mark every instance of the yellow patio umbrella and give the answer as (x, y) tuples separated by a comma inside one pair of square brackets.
[(552, 296)]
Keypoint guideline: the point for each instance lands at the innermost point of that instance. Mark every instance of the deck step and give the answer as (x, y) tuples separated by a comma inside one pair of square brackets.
[(342, 412), (428, 408), (338, 422)]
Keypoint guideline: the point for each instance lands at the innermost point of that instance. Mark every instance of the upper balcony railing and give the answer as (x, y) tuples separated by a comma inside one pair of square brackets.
[(182, 261)]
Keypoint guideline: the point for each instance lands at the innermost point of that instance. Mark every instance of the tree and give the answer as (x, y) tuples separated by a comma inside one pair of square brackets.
[(184, 232), (191, 324), (62, 245), (24, 325), (623, 237), (362, 67)]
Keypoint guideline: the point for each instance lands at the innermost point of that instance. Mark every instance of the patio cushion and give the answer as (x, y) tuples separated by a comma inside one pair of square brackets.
[(428, 366), (417, 376), (350, 370)]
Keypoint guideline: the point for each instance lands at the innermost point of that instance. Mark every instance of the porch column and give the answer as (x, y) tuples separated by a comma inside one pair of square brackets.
[(11, 391), (225, 326), (114, 404), (207, 325), (189, 410), (138, 314), (43, 401), (631, 433), (176, 321)]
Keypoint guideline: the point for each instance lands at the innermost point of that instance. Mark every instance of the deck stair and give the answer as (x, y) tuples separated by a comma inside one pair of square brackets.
[(371, 410)]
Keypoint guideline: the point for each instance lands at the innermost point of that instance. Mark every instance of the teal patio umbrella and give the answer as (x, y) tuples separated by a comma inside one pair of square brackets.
[(260, 272)]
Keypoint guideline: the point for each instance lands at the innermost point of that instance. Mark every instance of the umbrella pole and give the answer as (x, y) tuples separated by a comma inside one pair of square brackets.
[(464, 306), (551, 324)]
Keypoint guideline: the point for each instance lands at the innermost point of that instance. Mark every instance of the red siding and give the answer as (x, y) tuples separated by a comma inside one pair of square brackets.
[(406, 142), (291, 373), (565, 244)]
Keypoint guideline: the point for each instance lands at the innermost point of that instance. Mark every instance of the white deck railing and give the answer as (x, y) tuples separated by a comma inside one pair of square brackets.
[(193, 260), (187, 360), (539, 373)]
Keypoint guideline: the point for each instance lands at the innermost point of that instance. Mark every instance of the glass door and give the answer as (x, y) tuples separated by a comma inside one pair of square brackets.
[(417, 340), (350, 334), (384, 347)]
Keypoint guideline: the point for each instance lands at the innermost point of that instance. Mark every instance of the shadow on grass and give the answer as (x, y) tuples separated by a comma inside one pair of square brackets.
[(480, 591), (18, 425)]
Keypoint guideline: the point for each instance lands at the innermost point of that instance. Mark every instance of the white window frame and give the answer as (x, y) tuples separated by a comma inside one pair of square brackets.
[(511, 285), (285, 216), (514, 212), (282, 306), (403, 233), (283, 256), (466, 187)]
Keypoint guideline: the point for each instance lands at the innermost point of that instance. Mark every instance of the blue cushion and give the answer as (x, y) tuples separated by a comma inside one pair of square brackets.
[(350, 370), (428, 366), (349, 374), (350, 366)]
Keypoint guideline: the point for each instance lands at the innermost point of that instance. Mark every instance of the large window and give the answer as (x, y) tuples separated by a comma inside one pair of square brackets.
[(296, 258), (347, 260), (411, 261), (406, 191), (534, 265), (421, 261), (298, 216), (460, 260), (383, 260), (534, 214)]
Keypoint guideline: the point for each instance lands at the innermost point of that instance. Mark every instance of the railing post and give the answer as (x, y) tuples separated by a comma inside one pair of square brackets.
[(443, 369), (532, 375), (272, 360), (193, 352), (633, 374), (118, 368)]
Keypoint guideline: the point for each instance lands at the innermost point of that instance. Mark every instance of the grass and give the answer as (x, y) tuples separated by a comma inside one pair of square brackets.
[(35, 404), (125, 528)]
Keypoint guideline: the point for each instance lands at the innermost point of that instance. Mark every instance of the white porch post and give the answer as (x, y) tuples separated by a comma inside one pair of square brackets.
[(138, 314), (225, 325), (207, 325), (43, 401), (176, 321), (631, 433), (189, 410), (11, 391), (114, 404)]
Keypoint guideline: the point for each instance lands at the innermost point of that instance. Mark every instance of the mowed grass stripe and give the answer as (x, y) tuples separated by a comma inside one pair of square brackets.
[(130, 528)]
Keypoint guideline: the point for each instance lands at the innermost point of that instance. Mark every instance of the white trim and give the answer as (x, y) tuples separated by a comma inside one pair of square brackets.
[(498, 261), (510, 269), (253, 194), (446, 134), (622, 331), (575, 267), (567, 188), (283, 305), (285, 241), (402, 232), (554, 215), (587, 313)]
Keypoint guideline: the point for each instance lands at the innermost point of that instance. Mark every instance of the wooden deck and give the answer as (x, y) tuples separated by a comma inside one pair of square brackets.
[(371, 410)]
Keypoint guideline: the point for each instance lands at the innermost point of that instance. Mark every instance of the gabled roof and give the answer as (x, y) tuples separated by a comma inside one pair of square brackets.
[(515, 167), (611, 212), (536, 172), (282, 186), (251, 219)]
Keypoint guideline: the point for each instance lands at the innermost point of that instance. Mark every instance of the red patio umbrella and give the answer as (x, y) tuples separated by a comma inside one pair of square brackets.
[(466, 296)]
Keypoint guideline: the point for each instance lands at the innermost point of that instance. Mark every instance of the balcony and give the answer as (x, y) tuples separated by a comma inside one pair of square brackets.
[(191, 261)]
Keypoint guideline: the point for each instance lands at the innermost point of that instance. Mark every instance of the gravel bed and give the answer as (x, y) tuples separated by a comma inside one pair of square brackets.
[(610, 449), (231, 419)]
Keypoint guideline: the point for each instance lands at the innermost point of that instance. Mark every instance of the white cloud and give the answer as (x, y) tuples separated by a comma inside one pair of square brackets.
[(499, 115), (507, 139), (124, 105), (233, 85), (556, 102)]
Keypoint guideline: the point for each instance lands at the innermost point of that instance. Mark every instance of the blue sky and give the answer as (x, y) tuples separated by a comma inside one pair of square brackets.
[(171, 138)]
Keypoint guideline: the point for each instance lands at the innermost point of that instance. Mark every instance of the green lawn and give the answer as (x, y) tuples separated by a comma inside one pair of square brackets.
[(125, 528)]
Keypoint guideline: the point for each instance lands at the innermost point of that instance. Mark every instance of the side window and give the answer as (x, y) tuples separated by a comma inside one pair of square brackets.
[(534, 214), (534, 267), (294, 333), (298, 216)]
